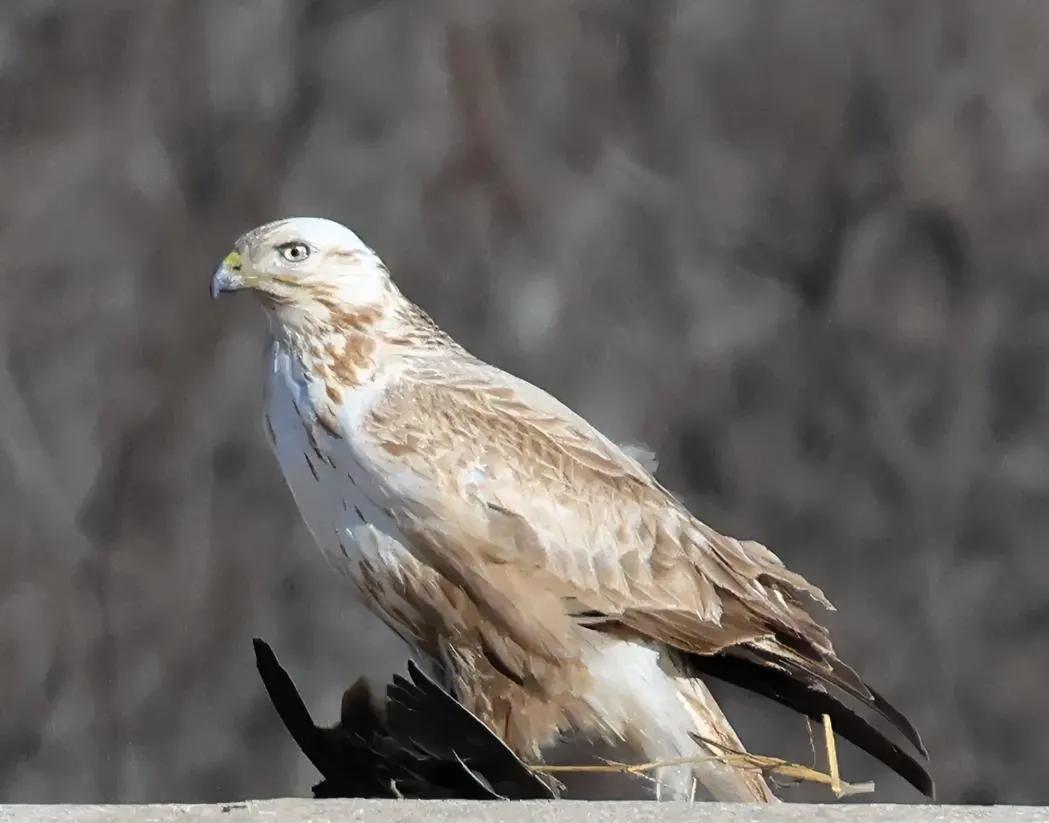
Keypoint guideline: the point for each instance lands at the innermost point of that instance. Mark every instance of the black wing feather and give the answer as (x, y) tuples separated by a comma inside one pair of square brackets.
[(428, 746), (422, 712)]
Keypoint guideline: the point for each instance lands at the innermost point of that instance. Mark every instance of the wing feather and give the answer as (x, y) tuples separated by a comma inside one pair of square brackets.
[(499, 472), (544, 521)]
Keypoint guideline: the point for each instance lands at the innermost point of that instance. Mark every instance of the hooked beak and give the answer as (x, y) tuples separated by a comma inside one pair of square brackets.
[(227, 276)]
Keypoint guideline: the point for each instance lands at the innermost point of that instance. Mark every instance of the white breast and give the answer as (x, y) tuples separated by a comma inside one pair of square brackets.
[(339, 500)]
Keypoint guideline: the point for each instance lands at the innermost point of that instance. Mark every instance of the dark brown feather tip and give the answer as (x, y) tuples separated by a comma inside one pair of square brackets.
[(779, 685)]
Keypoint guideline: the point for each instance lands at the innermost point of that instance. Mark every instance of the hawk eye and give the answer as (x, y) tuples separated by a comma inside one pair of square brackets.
[(294, 252)]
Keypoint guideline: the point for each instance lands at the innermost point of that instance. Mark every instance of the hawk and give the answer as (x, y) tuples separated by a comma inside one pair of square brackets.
[(541, 571)]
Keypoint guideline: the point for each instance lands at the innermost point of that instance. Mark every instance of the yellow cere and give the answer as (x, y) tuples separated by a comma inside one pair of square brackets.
[(232, 261)]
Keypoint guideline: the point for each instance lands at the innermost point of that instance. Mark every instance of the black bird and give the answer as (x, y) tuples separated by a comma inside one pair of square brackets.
[(428, 745)]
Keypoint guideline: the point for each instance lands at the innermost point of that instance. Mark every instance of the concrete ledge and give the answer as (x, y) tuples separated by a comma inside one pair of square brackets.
[(441, 811)]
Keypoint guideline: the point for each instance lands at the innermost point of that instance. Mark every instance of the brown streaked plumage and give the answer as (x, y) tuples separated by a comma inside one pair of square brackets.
[(556, 584)]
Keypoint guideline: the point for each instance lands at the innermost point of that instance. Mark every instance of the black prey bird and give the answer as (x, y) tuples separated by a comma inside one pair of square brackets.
[(427, 746)]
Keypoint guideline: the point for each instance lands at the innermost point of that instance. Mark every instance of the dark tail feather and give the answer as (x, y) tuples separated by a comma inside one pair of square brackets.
[(772, 681), (345, 755), (293, 712), (896, 717), (841, 676)]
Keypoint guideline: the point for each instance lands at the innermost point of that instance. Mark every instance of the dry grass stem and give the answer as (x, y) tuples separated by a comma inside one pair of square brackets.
[(832, 756), (769, 766)]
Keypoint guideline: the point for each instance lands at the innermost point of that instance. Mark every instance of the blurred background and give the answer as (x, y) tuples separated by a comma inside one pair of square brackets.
[(798, 248)]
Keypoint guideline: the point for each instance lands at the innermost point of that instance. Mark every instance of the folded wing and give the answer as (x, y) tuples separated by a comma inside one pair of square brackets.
[(546, 524)]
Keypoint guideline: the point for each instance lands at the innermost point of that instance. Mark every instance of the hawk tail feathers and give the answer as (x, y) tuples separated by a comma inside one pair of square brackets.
[(805, 691)]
